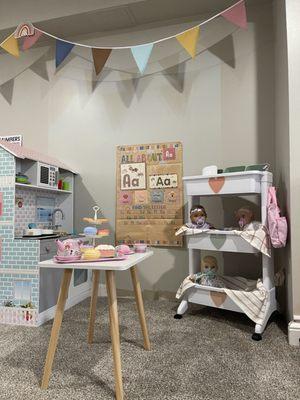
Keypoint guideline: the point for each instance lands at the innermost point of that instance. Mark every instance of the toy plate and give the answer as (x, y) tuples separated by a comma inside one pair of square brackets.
[(87, 261), (67, 258)]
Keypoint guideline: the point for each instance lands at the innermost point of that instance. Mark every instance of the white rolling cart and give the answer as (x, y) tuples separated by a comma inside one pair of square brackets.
[(239, 184)]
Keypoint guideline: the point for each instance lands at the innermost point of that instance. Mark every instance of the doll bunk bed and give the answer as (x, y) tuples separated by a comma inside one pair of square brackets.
[(233, 184)]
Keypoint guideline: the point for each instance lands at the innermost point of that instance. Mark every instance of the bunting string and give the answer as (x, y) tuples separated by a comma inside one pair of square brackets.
[(141, 53), (226, 11)]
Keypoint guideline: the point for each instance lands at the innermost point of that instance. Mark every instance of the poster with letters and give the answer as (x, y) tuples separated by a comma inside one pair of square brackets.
[(149, 204)]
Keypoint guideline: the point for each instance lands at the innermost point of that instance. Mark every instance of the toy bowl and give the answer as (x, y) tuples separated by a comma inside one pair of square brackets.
[(123, 249), (140, 247)]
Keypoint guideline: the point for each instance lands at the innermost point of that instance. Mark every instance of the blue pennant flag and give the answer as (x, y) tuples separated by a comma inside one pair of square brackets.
[(141, 55), (62, 50)]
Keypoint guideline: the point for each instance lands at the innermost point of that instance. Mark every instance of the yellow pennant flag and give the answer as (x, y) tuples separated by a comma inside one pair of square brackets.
[(188, 40), (11, 46)]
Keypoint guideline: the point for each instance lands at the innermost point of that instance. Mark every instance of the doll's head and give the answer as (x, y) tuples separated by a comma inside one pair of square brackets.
[(244, 216), (198, 215), (209, 265)]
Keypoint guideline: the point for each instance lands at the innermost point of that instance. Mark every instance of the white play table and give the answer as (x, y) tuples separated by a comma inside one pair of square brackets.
[(109, 267)]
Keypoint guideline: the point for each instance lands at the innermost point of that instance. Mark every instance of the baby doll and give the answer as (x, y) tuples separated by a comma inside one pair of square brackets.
[(198, 218), (208, 274), (245, 218)]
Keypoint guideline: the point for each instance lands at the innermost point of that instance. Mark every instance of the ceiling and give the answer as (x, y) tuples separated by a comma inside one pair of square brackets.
[(71, 19)]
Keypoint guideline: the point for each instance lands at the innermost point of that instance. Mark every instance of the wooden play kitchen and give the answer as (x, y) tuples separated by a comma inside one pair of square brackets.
[(109, 267)]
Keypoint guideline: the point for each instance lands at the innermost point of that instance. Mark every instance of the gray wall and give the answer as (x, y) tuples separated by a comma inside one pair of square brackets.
[(282, 143), (287, 125), (293, 34), (220, 106)]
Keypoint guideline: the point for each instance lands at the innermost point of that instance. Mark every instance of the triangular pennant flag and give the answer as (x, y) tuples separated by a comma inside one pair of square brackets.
[(188, 40), (141, 54), (7, 90), (62, 50), (100, 57), (40, 68), (11, 46), (237, 15), (104, 75), (175, 75), (29, 41)]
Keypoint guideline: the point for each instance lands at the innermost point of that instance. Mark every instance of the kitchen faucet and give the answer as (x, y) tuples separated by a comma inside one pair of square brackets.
[(56, 210)]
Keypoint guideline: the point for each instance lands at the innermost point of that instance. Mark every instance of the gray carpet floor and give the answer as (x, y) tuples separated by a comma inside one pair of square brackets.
[(208, 354)]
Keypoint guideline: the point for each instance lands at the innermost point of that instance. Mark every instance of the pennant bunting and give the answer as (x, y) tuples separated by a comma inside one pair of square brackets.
[(189, 39), (29, 41), (62, 50), (237, 15), (11, 46), (141, 55), (100, 57)]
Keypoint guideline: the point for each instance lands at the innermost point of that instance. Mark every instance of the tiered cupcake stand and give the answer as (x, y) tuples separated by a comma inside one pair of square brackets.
[(239, 184), (96, 222)]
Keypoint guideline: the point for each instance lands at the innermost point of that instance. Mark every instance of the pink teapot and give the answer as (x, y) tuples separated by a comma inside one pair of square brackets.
[(69, 247)]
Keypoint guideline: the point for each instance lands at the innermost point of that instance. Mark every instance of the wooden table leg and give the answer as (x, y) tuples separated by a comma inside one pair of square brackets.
[(114, 331), (62, 298), (93, 305), (140, 306)]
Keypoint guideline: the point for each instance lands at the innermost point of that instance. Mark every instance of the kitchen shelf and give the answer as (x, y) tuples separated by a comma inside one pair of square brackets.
[(216, 240), (29, 186)]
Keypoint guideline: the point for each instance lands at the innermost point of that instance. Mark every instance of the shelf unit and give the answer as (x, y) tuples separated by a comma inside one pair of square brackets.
[(46, 189), (242, 183)]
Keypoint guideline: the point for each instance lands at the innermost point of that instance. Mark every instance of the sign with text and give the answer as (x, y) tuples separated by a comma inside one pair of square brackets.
[(17, 139), (162, 181), (133, 176), (149, 194)]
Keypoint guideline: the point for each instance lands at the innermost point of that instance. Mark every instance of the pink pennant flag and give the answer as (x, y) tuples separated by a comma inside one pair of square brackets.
[(29, 41), (237, 15)]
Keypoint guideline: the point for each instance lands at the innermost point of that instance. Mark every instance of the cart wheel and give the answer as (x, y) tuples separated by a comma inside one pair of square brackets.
[(257, 337), (177, 316), (275, 315)]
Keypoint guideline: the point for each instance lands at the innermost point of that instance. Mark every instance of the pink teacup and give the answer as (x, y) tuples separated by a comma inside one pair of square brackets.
[(140, 247), (124, 250)]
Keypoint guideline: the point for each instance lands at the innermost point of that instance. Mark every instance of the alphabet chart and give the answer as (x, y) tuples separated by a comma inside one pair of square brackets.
[(149, 194)]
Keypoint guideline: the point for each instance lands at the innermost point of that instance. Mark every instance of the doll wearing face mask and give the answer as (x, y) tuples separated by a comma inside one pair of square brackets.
[(198, 218), (244, 217), (208, 275)]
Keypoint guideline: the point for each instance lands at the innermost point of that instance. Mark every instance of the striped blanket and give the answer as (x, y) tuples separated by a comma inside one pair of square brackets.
[(251, 296), (256, 235), (258, 238)]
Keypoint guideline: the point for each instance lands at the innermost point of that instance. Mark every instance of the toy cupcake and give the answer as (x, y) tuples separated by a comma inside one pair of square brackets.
[(90, 231), (91, 254), (124, 250), (106, 250)]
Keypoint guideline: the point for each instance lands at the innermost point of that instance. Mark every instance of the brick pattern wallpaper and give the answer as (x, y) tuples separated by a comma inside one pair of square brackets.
[(16, 254)]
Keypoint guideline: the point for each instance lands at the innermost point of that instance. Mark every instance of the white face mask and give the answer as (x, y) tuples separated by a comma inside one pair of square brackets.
[(242, 222), (200, 221), (209, 270)]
